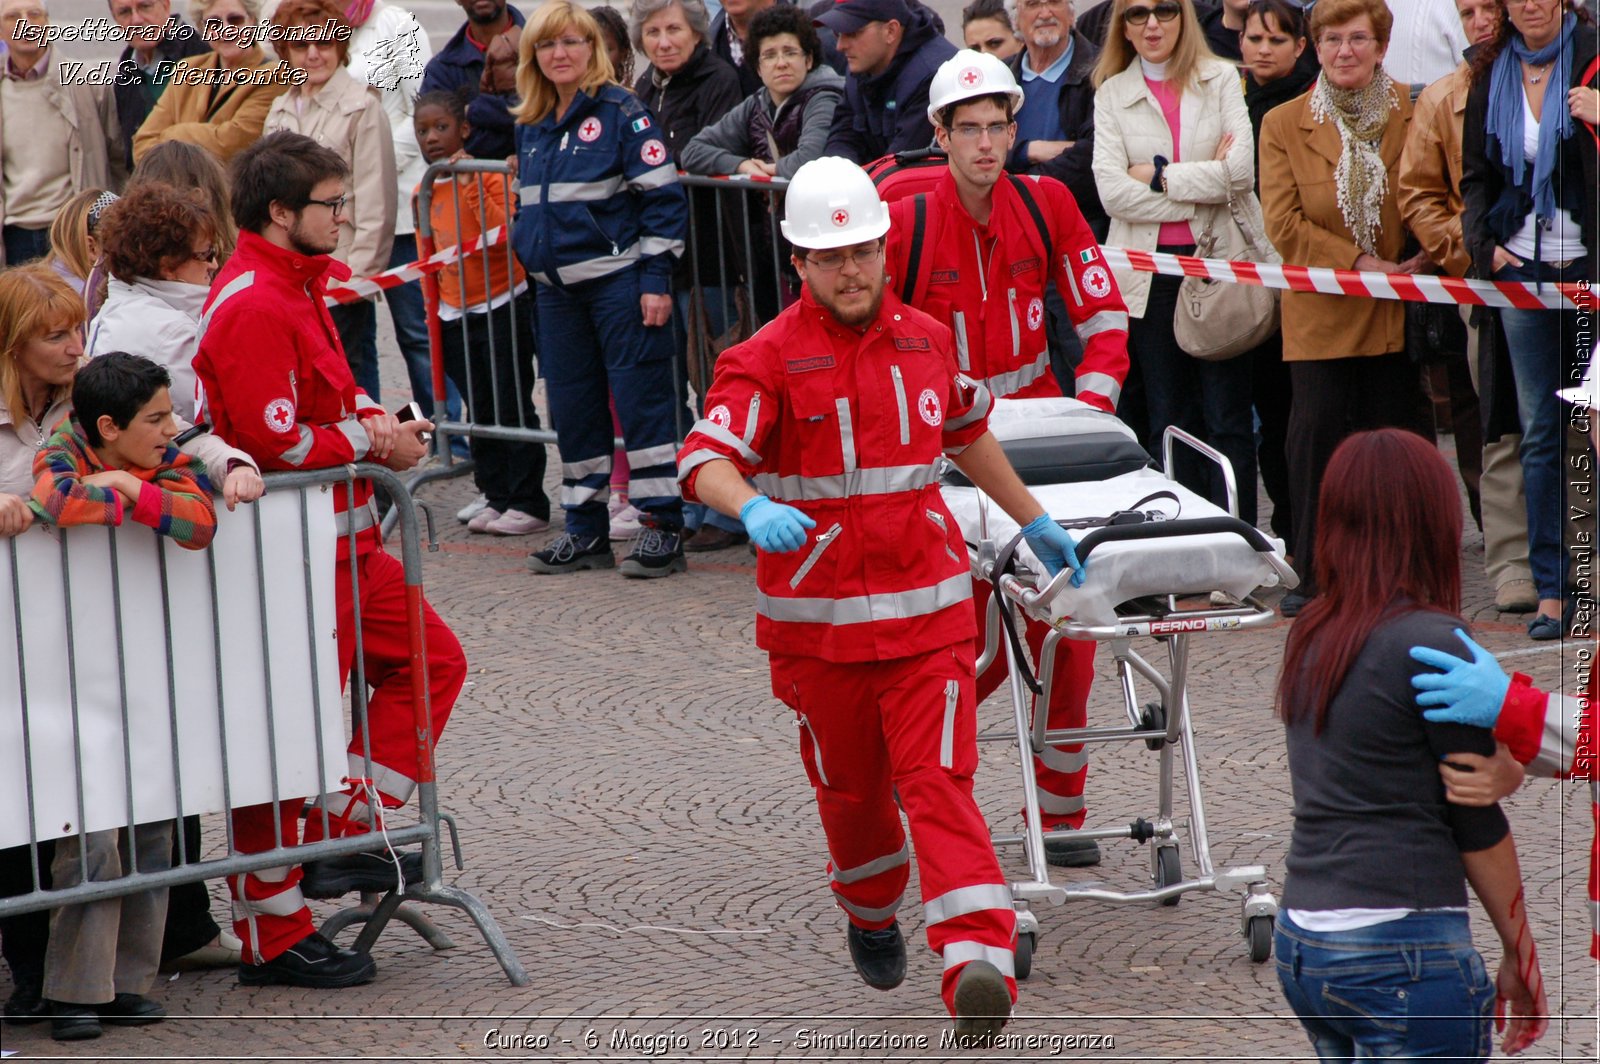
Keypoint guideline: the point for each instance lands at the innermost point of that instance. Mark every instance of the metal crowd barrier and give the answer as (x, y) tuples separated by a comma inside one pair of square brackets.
[(168, 697)]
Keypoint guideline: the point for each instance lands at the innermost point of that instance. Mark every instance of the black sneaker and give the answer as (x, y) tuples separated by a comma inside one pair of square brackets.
[(26, 1005), (1292, 603), (879, 956), (983, 1004), (71, 1022), (312, 962), (656, 552), (334, 877), (130, 1010), (1072, 852), (568, 553)]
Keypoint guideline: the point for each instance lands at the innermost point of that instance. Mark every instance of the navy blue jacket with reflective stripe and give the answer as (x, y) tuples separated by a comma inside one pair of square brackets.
[(599, 194)]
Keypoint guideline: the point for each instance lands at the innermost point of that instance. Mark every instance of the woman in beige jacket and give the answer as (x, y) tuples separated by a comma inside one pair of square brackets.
[(218, 101), (1172, 145), (1330, 164), (344, 114)]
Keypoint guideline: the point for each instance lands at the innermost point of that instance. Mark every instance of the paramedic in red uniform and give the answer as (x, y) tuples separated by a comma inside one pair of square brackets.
[(837, 412), (982, 268), (276, 384)]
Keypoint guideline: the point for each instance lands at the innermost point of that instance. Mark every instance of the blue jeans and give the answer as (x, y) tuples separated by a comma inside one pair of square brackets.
[(1413, 987), (411, 332), (1543, 348), (25, 245), (357, 324), (720, 312)]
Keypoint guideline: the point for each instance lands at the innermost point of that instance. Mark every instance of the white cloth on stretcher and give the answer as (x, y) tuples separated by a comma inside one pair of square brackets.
[(1116, 571)]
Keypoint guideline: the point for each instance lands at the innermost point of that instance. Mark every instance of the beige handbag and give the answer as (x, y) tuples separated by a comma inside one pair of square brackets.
[(1218, 320)]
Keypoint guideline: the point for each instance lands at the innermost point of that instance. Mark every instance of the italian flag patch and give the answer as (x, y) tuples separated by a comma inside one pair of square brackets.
[(641, 123), (1087, 255)]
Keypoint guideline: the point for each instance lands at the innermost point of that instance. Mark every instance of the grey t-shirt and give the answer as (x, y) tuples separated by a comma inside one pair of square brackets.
[(1372, 828)]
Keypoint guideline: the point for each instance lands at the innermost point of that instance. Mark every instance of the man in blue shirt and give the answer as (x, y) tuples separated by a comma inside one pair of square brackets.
[(1055, 125)]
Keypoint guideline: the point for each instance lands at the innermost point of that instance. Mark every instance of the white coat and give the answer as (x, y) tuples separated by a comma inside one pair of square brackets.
[(389, 52)]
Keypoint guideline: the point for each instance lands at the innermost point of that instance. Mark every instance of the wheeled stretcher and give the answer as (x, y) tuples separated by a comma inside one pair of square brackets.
[(1145, 541)]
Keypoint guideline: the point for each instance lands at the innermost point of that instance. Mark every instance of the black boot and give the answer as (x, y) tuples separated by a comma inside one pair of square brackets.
[(879, 956), (312, 962)]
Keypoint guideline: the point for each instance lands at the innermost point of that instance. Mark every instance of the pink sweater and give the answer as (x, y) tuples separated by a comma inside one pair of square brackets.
[(1171, 109)]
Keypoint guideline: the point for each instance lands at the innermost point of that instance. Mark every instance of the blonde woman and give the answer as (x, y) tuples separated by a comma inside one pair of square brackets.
[(218, 101), (601, 257), (1172, 145)]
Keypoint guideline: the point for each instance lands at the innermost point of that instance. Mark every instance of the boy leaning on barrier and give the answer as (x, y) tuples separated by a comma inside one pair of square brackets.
[(113, 459)]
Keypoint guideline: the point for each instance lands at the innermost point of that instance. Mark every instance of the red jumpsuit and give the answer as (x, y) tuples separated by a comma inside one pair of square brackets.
[(1553, 734), (988, 283), (275, 384), (869, 626)]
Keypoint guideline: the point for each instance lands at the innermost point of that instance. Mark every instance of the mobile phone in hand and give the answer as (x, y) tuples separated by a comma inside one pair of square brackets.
[(412, 412)]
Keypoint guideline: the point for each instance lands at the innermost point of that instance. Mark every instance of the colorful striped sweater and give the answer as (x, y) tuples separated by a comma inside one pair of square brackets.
[(175, 498)]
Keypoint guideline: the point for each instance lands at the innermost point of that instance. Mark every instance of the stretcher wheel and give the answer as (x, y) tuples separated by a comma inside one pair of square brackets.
[(1169, 870), (1259, 932), (1024, 960), (1154, 717)]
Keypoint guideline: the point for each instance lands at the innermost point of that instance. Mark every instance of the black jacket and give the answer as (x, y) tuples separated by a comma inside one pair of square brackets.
[(459, 63), (1494, 208), (1075, 166), (749, 79), (690, 100), (136, 93), (889, 113)]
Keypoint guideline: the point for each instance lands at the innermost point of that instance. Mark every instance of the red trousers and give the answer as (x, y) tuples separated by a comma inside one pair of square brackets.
[(870, 731), (1060, 770), (269, 913)]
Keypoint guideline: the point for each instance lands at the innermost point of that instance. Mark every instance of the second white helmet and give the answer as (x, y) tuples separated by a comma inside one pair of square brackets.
[(832, 203), (968, 75)]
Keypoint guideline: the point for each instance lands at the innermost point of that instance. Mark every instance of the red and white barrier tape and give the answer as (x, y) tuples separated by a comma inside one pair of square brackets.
[(1412, 288), (362, 287)]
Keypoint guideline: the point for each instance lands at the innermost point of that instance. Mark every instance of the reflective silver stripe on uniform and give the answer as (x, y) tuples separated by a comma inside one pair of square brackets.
[(947, 737), (964, 900), (1016, 332), (1058, 760), (876, 866), (587, 467), (275, 874), (847, 434), (900, 405), (600, 266), (1056, 805), (660, 245), (861, 912), (1072, 279), (362, 518), (284, 903), (751, 421), (578, 495), (981, 402), (958, 953), (1594, 916), (572, 191), (1100, 384), (229, 290), (541, 278), (653, 488), (864, 609), (1102, 321), (1556, 739), (1004, 384), (875, 480), (297, 452), (958, 323), (716, 432), (660, 454), (356, 433), (695, 459), (662, 176), (395, 784)]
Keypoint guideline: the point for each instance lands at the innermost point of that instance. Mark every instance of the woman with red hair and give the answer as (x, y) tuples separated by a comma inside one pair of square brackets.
[(1374, 953)]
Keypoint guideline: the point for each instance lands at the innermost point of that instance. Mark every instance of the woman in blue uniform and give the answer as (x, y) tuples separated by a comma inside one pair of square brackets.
[(601, 222)]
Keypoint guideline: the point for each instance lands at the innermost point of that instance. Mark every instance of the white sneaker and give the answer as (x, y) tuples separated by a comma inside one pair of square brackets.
[(516, 523), (625, 523), (483, 519), (472, 509)]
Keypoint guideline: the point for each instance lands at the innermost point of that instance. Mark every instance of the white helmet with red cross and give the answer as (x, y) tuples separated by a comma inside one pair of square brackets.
[(832, 203), (967, 75)]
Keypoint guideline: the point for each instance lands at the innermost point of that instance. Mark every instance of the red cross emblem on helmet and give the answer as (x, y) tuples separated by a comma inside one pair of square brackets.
[(841, 218), (971, 76)]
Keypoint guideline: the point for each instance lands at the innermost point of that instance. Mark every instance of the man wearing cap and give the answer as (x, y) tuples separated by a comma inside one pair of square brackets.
[(989, 245), (892, 48), (837, 413)]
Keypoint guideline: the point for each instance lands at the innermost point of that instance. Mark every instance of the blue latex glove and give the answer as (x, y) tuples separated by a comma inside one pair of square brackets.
[(1054, 547), (1463, 692), (774, 527)]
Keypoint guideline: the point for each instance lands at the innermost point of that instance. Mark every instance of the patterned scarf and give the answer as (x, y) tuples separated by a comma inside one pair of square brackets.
[(1360, 178)]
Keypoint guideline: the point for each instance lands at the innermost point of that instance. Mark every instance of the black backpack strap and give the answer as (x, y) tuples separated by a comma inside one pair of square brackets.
[(919, 220), (1038, 219)]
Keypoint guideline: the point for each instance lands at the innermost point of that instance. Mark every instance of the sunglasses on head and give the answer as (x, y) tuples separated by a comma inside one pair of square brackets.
[(1139, 14)]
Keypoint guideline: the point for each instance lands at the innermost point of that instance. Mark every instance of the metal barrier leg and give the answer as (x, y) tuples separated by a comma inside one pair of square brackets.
[(363, 913), (487, 927)]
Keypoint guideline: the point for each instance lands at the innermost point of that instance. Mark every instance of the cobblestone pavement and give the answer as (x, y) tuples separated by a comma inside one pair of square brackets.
[(634, 814)]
